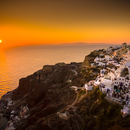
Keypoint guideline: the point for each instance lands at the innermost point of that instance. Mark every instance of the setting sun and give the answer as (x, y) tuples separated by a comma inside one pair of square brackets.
[(0, 41)]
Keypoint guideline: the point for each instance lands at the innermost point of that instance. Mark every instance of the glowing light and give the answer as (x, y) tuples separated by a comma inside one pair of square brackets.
[(0, 41)]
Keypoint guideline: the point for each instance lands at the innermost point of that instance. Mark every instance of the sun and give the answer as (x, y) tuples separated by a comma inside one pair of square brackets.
[(0, 41)]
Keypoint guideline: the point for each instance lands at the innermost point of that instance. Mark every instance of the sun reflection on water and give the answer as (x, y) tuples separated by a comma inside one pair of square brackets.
[(3, 74)]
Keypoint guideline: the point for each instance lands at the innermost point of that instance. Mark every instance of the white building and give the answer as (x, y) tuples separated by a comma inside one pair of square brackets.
[(101, 64), (97, 59), (121, 80), (97, 81), (102, 72), (125, 111), (112, 76), (107, 82), (88, 87), (74, 87), (108, 58), (128, 64), (127, 83)]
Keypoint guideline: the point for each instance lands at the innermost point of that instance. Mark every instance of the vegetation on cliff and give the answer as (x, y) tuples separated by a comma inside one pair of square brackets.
[(99, 114)]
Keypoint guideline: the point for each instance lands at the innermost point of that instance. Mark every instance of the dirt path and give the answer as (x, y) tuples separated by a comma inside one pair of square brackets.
[(77, 100)]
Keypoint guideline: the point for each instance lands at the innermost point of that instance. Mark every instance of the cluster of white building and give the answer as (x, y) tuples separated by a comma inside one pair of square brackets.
[(117, 88), (105, 61)]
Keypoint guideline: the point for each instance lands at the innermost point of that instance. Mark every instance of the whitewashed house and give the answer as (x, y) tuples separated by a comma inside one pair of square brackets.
[(97, 82), (128, 64), (97, 59), (127, 83), (116, 64), (101, 64), (111, 76), (125, 111), (88, 87), (108, 58), (102, 72), (74, 87), (92, 64), (107, 82), (119, 80)]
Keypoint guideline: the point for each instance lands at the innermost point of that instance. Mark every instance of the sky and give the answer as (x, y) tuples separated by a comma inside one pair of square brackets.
[(27, 22)]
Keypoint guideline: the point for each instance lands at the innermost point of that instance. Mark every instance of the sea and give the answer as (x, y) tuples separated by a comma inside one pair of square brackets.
[(19, 62)]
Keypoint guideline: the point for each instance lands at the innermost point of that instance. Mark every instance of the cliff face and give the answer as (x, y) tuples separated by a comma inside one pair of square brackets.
[(45, 93), (51, 83), (42, 82)]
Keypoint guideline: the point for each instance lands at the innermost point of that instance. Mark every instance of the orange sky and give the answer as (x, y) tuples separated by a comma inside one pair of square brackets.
[(41, 22)]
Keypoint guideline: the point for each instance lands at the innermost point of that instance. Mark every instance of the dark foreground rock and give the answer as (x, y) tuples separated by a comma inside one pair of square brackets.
[(40, 95), (3, 122)]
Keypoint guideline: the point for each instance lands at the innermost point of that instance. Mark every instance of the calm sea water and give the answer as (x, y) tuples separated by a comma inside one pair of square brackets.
[(23, 61)]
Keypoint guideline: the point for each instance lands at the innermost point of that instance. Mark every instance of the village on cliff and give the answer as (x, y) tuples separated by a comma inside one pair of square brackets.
[(114, 81)]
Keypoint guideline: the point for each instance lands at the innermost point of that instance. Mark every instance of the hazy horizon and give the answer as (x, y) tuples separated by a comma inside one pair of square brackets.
[(61, 44)]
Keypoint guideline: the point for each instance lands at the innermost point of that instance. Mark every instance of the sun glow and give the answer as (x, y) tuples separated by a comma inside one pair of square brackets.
[(0, 41)]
